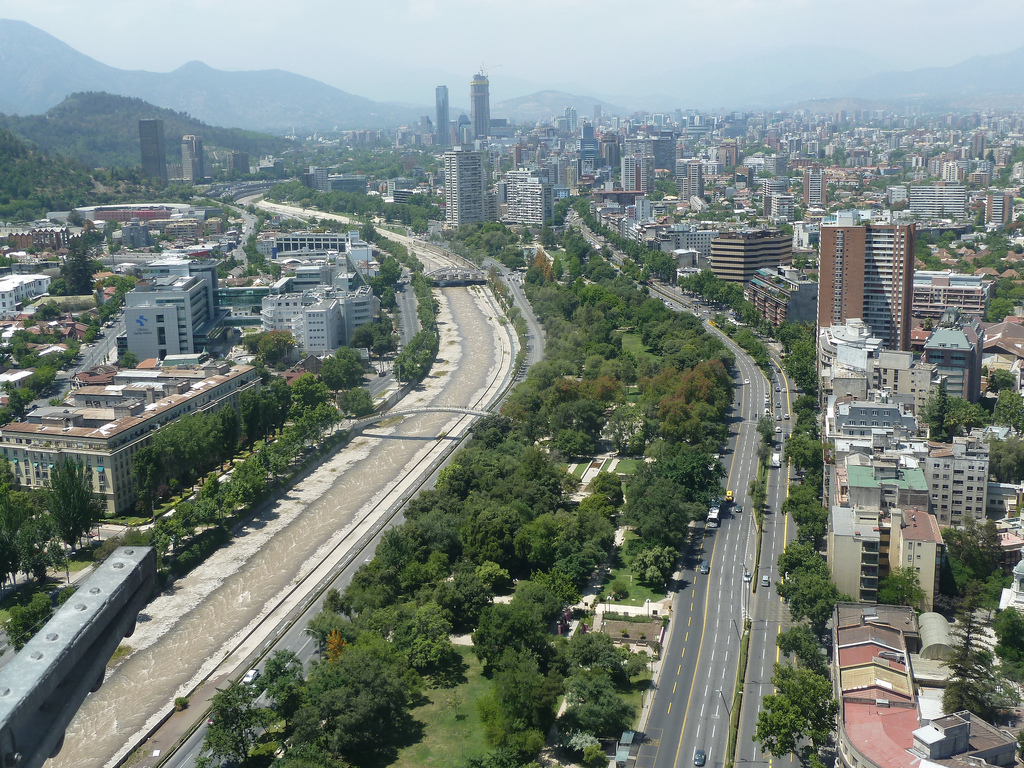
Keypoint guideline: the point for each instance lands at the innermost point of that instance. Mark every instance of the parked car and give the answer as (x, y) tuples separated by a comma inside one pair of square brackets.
[(251, 676)]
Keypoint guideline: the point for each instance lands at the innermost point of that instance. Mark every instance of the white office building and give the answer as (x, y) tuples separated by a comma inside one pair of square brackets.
[(321, 319), (14, 289)]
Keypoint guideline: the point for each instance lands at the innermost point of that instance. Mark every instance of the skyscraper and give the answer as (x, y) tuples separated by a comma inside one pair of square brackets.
[(689, 178), (638, 173), (866, 271), (465, 187), (154, 154), (480, 106), (442, 120), (192, 169), (814, 187)]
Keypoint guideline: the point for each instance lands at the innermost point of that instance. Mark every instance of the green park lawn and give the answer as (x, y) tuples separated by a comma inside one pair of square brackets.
[(631, 342), (627, 466), (638, 593), (453, 731)]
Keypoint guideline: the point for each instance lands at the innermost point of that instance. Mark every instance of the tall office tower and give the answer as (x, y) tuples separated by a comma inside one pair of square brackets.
[(443, 121), (597, 114), (814, 187), (192, 159), (638, 173), (737, 255), (465, 187), (998, 207), (573, 118), (480, 106), (154, 153), (866, 271)]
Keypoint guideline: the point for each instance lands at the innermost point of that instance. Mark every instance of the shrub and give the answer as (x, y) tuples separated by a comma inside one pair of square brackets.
[(181, 703)]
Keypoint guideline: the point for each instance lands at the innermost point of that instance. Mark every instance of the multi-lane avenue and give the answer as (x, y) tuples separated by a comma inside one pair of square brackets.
[(693, 696)]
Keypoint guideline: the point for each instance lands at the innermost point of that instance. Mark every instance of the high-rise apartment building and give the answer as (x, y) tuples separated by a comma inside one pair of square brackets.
[(480, 106), (154, 151), (737, 256), (957, 477), (938, 199), (442, 120), (465, 187), (192, 166), (814, 187), (638, 173), (867, 271), (689, 178), (530, 199)]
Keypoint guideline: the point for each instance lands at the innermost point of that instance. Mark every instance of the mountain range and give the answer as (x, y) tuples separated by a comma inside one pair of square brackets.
[(38, 71)]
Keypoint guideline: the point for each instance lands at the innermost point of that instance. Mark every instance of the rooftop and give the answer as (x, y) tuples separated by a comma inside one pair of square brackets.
[(909, 478)]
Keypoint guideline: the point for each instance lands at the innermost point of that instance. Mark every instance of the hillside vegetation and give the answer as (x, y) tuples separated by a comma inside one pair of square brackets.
[(33, 182), (100, 130)]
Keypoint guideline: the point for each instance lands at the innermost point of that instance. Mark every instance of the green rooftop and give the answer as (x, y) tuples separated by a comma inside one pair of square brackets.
[(864, 477)]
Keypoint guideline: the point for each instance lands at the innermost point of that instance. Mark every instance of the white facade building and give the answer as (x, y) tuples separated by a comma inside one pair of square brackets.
[(321, 319), (530, 200), (14, 289)]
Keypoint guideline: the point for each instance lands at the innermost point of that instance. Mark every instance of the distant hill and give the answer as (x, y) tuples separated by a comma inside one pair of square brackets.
[(38, 71), (32, 183), (100, 130), (544, 104)]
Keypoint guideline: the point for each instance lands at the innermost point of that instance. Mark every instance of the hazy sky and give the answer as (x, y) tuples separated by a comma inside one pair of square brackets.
[(399, 49)]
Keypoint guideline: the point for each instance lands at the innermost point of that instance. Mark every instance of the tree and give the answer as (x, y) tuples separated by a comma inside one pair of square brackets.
[(71, 502), (812, 597), (237, 723), (77, 268), (594, 706), (1001, 379), (800, 641), (514, 626), (972, 684), (766, 428), (25, 620), (901, 587), (803, 708), (282, 680), (1009, 410), (426, 639), (357, 402), (520, 707), (343, 370), (936, 413), (308, 392), (358, 704)]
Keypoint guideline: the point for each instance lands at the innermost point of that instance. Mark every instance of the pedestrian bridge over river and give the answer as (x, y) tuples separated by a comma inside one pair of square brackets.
[(357, 426)]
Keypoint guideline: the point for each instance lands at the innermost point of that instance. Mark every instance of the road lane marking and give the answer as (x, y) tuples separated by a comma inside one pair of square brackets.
[(674, 686), (680, 669)]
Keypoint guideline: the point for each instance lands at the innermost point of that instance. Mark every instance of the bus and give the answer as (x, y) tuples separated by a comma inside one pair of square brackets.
[(776, 460), (714, 518)]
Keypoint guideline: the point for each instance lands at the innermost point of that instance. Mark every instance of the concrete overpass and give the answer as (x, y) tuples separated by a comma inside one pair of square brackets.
[(455, 276)]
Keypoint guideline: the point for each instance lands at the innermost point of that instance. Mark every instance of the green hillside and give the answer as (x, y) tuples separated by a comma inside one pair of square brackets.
[(100, 130), (32, 183)]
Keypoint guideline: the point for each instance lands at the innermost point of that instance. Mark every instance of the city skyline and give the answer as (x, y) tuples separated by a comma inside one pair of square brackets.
[(517, 65)]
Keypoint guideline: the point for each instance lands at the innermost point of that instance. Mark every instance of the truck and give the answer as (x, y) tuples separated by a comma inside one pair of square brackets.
[(776, 460), (714, 518)]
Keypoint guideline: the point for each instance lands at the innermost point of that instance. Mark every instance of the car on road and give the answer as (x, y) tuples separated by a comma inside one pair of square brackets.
[(747, 577), (778, 389), (778, 417), (778, 430), (700, 758), (705, 568), (766, 581), (785, 415), (251, 676), (746, 381)]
